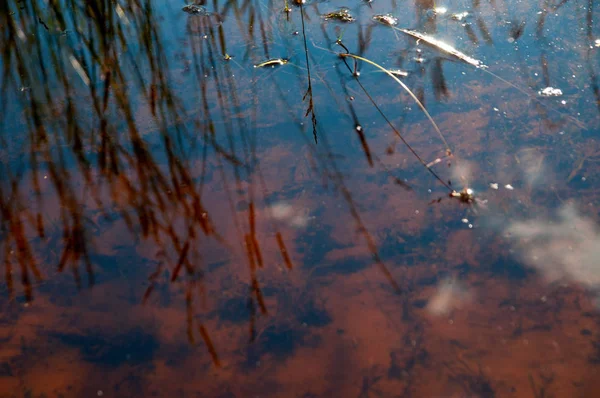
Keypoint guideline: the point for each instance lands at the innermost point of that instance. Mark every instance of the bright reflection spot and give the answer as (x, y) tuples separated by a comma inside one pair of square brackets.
[(122, 14), (79, 69), (550, 92), (460, 16)]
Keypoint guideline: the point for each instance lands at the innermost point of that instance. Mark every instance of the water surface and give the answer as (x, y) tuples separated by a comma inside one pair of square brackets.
[(176, 221)]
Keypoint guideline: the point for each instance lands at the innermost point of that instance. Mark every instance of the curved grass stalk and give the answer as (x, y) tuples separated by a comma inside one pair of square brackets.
[(444, 47), (405, 87), (411, 149)]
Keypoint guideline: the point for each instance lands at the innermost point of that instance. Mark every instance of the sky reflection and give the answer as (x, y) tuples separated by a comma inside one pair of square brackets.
[(177, 222)]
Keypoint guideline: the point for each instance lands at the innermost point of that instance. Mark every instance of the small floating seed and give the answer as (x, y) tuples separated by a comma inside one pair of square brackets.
[(386, 19)]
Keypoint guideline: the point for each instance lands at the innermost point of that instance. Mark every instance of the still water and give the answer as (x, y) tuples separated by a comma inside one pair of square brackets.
[(270, 199)]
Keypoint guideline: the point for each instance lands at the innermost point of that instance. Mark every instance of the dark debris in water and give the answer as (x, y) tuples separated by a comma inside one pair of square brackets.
[(195, 9), (516, 29), (341, 15)]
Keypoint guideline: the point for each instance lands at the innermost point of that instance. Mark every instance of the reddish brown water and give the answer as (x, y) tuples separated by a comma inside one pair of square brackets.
[(174, 224)]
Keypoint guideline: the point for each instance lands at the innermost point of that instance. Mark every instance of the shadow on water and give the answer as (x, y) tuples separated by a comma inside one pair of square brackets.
[(250, 176)]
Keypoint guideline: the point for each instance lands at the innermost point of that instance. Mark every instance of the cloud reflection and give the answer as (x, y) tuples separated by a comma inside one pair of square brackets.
[(564, 248), (294, 216), (450, 294)]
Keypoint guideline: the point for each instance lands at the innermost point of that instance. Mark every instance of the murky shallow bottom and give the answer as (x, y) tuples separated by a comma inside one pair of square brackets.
[(314, 269), (354, 341), (471, 318)]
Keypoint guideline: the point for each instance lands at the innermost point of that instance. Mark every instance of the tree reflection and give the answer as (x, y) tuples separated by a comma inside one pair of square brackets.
[(93, 127)]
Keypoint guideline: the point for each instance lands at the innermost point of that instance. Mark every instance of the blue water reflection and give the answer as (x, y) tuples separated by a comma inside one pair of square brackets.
[(178, 218)]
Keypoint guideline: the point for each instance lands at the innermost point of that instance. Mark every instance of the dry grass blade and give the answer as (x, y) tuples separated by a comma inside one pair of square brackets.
[(410, 148), (283, 250), (448, 49), (209, 345), (408, 90), (182, 259), (444, 47), (309, 93)]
